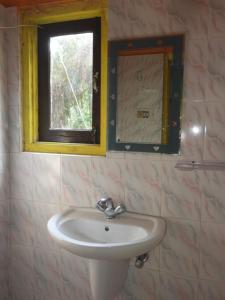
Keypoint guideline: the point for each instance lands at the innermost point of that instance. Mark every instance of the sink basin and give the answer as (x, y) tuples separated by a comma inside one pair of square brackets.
[(108, 244), (86, 232)]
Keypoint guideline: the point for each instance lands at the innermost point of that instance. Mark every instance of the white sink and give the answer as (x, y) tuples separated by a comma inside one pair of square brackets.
[(86, 232), (108, 244)]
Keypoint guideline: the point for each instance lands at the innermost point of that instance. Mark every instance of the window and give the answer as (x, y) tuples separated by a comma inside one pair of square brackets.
[(64, 77), (69, 75)]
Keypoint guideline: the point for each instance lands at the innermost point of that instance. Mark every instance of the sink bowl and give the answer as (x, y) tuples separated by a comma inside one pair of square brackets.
[(108, 244), (86, 232)]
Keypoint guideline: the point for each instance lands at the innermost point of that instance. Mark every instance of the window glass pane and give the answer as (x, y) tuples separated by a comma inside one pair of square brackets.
[(71, 69)]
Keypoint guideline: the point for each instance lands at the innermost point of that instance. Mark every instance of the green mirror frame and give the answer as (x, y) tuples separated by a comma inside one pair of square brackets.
[(172, 49)]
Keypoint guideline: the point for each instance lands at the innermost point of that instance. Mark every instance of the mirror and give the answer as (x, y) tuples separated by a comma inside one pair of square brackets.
[(145, 91)]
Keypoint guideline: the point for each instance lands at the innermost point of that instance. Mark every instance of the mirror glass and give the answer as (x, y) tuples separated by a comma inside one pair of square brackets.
[(139, 98), (145, 93)]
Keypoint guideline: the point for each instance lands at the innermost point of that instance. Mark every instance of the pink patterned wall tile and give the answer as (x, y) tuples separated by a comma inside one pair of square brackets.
[(107, 178), (123, 296), (215, 133), (195, 82), (21, 183), (15, 128), (177, 288), (213, 197), (41, 213), (11, 16), (46, 178), (212, 254), (142, 186), (190, 17), (76, 181), (21, 222), (4, 286), (195, 69), (142, 284), (4, 210), (181, 193), (69, 292), (115, 154), (143, 156), (193, 130), (21, 271), (72, 264), (4, 252), (21, 293), (4, 186), (217, 18), (211, 290), (216, 65), (136, 18), (4, 141), (179, 250), (14, 139), (196, 52), (47, 268), (13, 88)]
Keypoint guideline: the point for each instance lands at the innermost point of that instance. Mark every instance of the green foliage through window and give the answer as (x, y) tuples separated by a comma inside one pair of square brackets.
[(71, 69)]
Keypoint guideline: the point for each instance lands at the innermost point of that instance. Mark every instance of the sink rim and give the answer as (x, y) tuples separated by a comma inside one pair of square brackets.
[(55, 222)]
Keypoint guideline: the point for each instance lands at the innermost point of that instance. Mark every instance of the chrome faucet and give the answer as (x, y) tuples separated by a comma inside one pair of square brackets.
[(106, 205)]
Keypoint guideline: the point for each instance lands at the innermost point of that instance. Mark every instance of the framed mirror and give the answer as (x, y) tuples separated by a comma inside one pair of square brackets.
[(145, 91)]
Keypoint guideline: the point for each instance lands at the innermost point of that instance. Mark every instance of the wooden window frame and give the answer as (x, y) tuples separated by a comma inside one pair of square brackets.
[(45, 32), (31, 18)]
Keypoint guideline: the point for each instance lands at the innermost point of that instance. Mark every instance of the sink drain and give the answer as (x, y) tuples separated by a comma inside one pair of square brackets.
[(106, 228)]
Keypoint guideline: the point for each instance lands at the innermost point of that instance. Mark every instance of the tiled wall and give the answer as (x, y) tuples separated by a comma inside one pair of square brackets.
[(190, 263), (4, 161)]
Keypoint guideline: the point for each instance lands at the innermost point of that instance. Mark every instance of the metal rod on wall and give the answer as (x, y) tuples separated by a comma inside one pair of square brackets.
[(200, 165)]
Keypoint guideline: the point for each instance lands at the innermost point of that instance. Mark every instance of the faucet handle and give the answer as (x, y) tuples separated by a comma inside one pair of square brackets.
[(105, 203), (100, 205), (121, 208)]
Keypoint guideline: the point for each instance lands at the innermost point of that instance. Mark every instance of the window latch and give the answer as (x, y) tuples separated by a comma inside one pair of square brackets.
[(95, 82)]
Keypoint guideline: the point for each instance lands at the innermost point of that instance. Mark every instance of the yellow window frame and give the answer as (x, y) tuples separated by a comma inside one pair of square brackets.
[(30, 19)]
